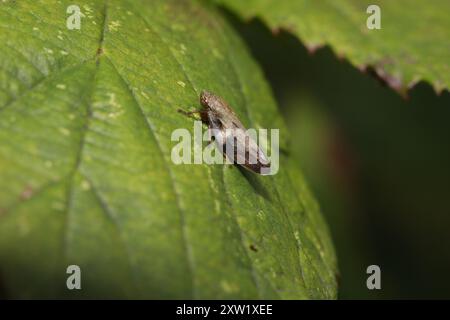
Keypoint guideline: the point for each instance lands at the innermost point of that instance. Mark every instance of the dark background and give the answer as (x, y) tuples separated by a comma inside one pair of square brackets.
[(379, 164)]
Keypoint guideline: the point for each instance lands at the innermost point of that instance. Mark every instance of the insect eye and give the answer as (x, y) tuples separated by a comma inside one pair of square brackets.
[(204, 101)]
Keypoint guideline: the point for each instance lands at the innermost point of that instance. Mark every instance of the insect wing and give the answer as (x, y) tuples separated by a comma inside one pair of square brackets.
[(241, 148)]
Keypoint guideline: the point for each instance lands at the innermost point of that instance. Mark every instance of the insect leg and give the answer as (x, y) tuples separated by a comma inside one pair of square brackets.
[(201, 113)]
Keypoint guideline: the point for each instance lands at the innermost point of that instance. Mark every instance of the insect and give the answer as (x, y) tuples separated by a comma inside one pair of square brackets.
[(230, 135)]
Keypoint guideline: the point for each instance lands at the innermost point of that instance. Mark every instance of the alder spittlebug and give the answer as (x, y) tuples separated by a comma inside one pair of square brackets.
[(235, 142)]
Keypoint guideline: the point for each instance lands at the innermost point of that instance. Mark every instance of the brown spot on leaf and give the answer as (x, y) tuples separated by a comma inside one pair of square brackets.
[(276, 31), (288, 28), (386, 79), (312, 48), (26, 193)]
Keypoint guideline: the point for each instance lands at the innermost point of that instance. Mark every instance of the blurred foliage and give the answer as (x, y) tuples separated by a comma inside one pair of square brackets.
[(378, 163), (412, 44)]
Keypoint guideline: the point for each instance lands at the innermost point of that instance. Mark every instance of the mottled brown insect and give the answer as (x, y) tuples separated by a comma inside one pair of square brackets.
[(230, 135)]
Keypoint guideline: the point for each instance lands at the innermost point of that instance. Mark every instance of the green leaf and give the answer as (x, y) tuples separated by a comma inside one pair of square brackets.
[(86, 118), (413, 43)]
